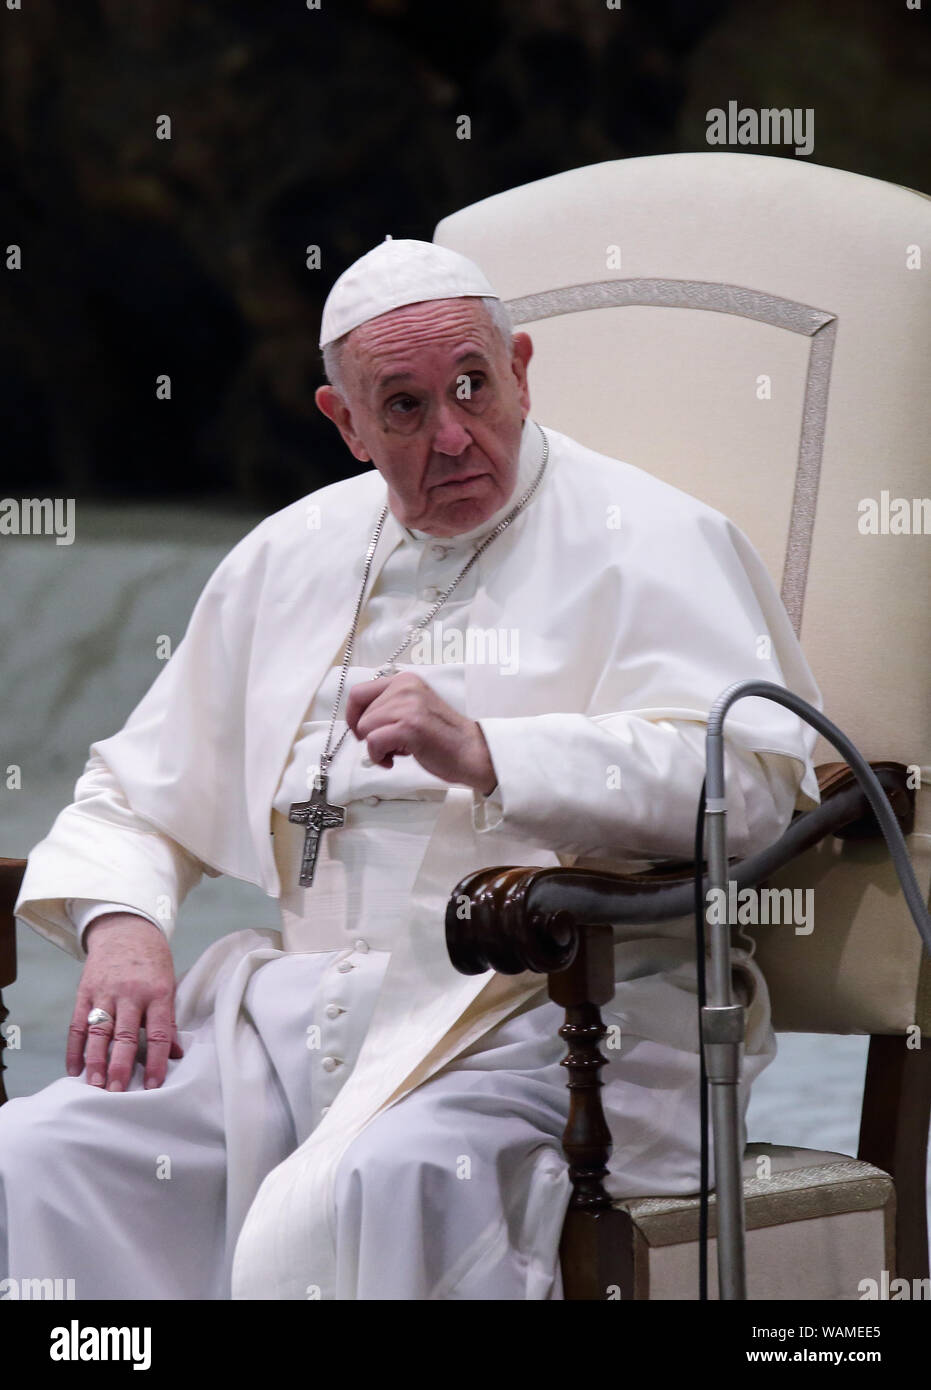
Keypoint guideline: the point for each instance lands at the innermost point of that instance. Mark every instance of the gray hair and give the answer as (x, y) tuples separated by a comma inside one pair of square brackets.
[(498, 312)]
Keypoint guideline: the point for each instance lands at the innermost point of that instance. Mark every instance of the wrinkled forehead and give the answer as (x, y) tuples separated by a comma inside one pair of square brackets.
[(422, 336)]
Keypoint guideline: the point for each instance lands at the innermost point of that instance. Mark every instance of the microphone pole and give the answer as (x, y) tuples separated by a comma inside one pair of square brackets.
[(722, 1035)]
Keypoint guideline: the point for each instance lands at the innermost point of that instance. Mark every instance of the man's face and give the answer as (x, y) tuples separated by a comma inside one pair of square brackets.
[(437, 403)]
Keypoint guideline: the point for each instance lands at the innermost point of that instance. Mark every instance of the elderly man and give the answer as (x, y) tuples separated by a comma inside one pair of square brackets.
[(493, 647)]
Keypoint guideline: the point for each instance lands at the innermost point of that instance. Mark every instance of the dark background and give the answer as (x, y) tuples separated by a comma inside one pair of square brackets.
[(334, 127)]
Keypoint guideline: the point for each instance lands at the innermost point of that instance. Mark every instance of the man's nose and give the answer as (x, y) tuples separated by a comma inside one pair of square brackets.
[(450, 436)]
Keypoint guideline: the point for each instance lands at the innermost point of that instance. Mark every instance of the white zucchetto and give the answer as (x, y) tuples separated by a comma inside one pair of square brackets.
[(395, 273)]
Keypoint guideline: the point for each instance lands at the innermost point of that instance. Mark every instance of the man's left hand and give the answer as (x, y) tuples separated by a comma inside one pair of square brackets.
[(401, 715)]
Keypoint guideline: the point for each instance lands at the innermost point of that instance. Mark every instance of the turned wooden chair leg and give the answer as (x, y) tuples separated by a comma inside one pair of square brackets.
[(596, 1251), (894, 1136)]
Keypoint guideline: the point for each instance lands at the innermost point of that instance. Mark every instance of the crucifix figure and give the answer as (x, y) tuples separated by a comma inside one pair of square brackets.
[(316, 815)]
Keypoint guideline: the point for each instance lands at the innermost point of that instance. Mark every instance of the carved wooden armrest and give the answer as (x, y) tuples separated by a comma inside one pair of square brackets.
[(508, 918)]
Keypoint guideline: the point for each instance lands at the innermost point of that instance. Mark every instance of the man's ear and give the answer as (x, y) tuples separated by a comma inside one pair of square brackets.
[(521, 353), (335, 408)]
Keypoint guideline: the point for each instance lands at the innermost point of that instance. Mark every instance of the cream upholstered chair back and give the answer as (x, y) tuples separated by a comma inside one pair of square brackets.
[(755, 331)]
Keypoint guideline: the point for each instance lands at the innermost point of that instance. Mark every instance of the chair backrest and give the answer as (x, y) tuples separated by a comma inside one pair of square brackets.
[(754, 330)]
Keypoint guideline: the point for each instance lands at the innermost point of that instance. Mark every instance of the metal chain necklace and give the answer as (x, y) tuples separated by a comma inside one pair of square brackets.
[(317, 814)]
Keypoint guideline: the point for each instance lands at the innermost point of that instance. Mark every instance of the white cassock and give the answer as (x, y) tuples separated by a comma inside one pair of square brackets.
[(352, 1118)]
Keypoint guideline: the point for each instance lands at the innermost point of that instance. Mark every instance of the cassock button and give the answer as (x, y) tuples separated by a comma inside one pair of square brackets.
[(330, 1063), (333, 1011), (360, 945), (344, 966)]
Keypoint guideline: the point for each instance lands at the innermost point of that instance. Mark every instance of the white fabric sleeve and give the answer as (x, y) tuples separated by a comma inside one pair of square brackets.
[(99, 850), (83, 911), (624, 787)]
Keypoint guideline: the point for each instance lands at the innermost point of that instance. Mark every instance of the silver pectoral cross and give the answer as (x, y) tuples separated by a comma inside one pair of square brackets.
[(316, 815)]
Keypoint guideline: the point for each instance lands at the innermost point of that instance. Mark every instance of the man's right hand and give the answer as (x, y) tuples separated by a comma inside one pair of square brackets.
[(129, 972)]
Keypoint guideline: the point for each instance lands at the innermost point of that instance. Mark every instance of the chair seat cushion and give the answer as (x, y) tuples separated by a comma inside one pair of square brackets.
[(818, 1224), (781, 1184)]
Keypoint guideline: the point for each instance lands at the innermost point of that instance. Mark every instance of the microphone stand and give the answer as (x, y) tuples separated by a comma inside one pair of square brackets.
[(722, 1021)]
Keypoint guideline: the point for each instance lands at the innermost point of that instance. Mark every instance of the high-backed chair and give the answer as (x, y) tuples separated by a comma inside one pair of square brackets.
[(754, 330)]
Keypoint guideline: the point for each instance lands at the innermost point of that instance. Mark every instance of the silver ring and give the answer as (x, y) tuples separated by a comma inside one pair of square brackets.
[(99, 1016)]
